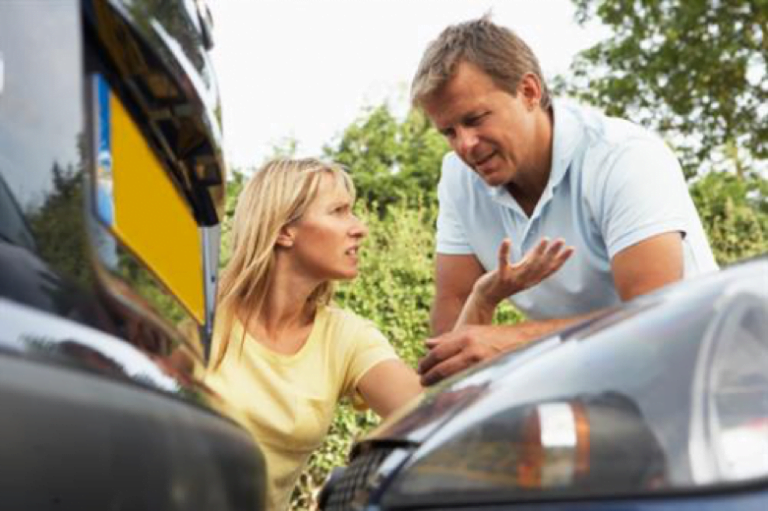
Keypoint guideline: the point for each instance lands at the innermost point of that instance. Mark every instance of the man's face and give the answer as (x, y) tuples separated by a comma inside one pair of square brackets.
[(491, 130)]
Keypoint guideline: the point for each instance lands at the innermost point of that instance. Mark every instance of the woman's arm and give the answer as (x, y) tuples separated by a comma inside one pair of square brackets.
[(389, 385), (507, 279)]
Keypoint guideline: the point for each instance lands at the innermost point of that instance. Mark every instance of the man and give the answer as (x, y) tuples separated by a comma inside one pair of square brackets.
[(524, 167)]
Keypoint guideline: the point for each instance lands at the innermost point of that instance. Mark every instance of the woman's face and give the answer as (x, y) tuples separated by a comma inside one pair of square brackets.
[(326, 239)]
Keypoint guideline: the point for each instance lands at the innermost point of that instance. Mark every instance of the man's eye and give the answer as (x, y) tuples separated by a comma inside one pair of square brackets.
[(475, 119)]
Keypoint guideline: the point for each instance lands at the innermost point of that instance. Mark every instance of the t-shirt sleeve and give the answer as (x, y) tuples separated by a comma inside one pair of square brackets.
[(369, 348), (642, 194), (451, 237)]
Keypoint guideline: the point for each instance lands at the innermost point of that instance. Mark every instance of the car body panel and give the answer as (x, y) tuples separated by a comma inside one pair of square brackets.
[(623, 386)]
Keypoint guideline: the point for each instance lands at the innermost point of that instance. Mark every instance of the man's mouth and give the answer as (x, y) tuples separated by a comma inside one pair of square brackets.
[(480, 162)]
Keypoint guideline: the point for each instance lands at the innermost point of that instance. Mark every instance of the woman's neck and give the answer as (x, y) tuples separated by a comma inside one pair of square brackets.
[(286, 309)]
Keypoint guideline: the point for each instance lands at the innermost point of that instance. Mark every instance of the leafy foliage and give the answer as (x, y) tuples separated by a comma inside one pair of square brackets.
[(733, 219), (694, 70), (62, 243), (391, 161)]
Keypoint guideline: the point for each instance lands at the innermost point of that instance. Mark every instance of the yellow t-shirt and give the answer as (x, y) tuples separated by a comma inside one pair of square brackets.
[(287, 401)]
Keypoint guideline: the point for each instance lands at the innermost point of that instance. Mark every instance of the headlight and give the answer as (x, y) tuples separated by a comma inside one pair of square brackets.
[(729, 426)]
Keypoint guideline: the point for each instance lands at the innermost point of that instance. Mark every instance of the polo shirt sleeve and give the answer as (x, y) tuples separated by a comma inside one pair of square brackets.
[(369, 348), (451, 236), (642, 193)]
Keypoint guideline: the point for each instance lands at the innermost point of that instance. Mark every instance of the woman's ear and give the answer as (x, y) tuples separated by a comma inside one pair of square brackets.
[(286, 237)]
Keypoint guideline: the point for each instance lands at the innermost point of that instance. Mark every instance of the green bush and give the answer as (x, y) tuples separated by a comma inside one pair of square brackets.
[(733, 211)]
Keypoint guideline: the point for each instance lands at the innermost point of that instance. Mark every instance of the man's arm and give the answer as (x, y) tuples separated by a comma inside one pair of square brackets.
[(638, 269), (454, 277), (467, 345), (648, 265)]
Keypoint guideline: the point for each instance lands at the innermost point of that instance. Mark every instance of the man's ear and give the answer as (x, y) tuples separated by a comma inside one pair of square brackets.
[(286, 237), (530, 89)]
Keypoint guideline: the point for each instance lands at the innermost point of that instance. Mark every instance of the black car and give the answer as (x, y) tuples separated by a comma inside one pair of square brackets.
[(659, 404), (111, 197)]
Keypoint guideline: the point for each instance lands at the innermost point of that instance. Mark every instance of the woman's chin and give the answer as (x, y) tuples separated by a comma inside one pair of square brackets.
[(350, 274)]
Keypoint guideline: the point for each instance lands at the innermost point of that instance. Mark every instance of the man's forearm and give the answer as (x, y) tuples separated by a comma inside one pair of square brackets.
[(475, 312), (444, 315), (511, 337), (467, 345)]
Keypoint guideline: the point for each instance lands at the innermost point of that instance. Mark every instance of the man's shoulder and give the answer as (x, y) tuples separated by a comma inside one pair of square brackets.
[(604, 131), (609, 140)]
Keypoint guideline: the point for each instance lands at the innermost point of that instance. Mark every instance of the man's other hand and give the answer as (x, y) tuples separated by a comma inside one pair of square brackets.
[(457, 350)]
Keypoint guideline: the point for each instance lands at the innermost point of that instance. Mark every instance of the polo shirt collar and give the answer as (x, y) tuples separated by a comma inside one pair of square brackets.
[(567, 136)]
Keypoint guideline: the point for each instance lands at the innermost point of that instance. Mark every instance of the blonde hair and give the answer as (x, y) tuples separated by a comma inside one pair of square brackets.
[(495, 50), (278, 194)]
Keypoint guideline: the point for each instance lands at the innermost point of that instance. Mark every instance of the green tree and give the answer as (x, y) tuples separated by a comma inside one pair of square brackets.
[(694, 70), (391, 161)]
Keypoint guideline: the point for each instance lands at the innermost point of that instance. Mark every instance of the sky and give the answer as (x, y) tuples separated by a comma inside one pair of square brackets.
[(306, 69)]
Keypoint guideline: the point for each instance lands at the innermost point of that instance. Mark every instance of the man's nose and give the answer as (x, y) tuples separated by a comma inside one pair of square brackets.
[(466, 140)]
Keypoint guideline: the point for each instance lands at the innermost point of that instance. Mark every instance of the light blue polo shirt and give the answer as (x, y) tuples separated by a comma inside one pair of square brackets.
[(612, 185)]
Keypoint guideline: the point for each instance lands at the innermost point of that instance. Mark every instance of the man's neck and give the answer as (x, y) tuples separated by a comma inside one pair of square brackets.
[(529, 187)]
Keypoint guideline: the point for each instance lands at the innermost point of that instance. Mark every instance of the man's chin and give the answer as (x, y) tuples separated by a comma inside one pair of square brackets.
[(493, 179)]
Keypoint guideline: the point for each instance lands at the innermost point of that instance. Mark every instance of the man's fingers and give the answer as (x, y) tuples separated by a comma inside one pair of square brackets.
[(555, 247), (504, 249), (563, 256), (439, 351), (443, 370), (533, 254)]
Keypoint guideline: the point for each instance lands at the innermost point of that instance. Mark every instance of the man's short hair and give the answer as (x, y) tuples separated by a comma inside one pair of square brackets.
[(494, 49)]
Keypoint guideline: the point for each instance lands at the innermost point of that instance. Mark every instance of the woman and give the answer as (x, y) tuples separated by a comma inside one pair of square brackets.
[(283, 354)]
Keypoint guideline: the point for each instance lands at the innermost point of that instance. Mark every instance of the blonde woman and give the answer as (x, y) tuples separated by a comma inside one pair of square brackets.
[(283, 353)]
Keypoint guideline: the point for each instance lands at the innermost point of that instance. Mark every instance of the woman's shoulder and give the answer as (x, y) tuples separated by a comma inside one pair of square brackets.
[(342, 316), (346, 323)]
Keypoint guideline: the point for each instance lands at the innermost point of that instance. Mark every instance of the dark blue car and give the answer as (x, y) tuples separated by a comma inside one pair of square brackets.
[(661, 403)]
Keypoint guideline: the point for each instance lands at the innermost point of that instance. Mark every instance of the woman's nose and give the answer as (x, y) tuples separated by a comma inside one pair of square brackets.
[(359, 229)]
